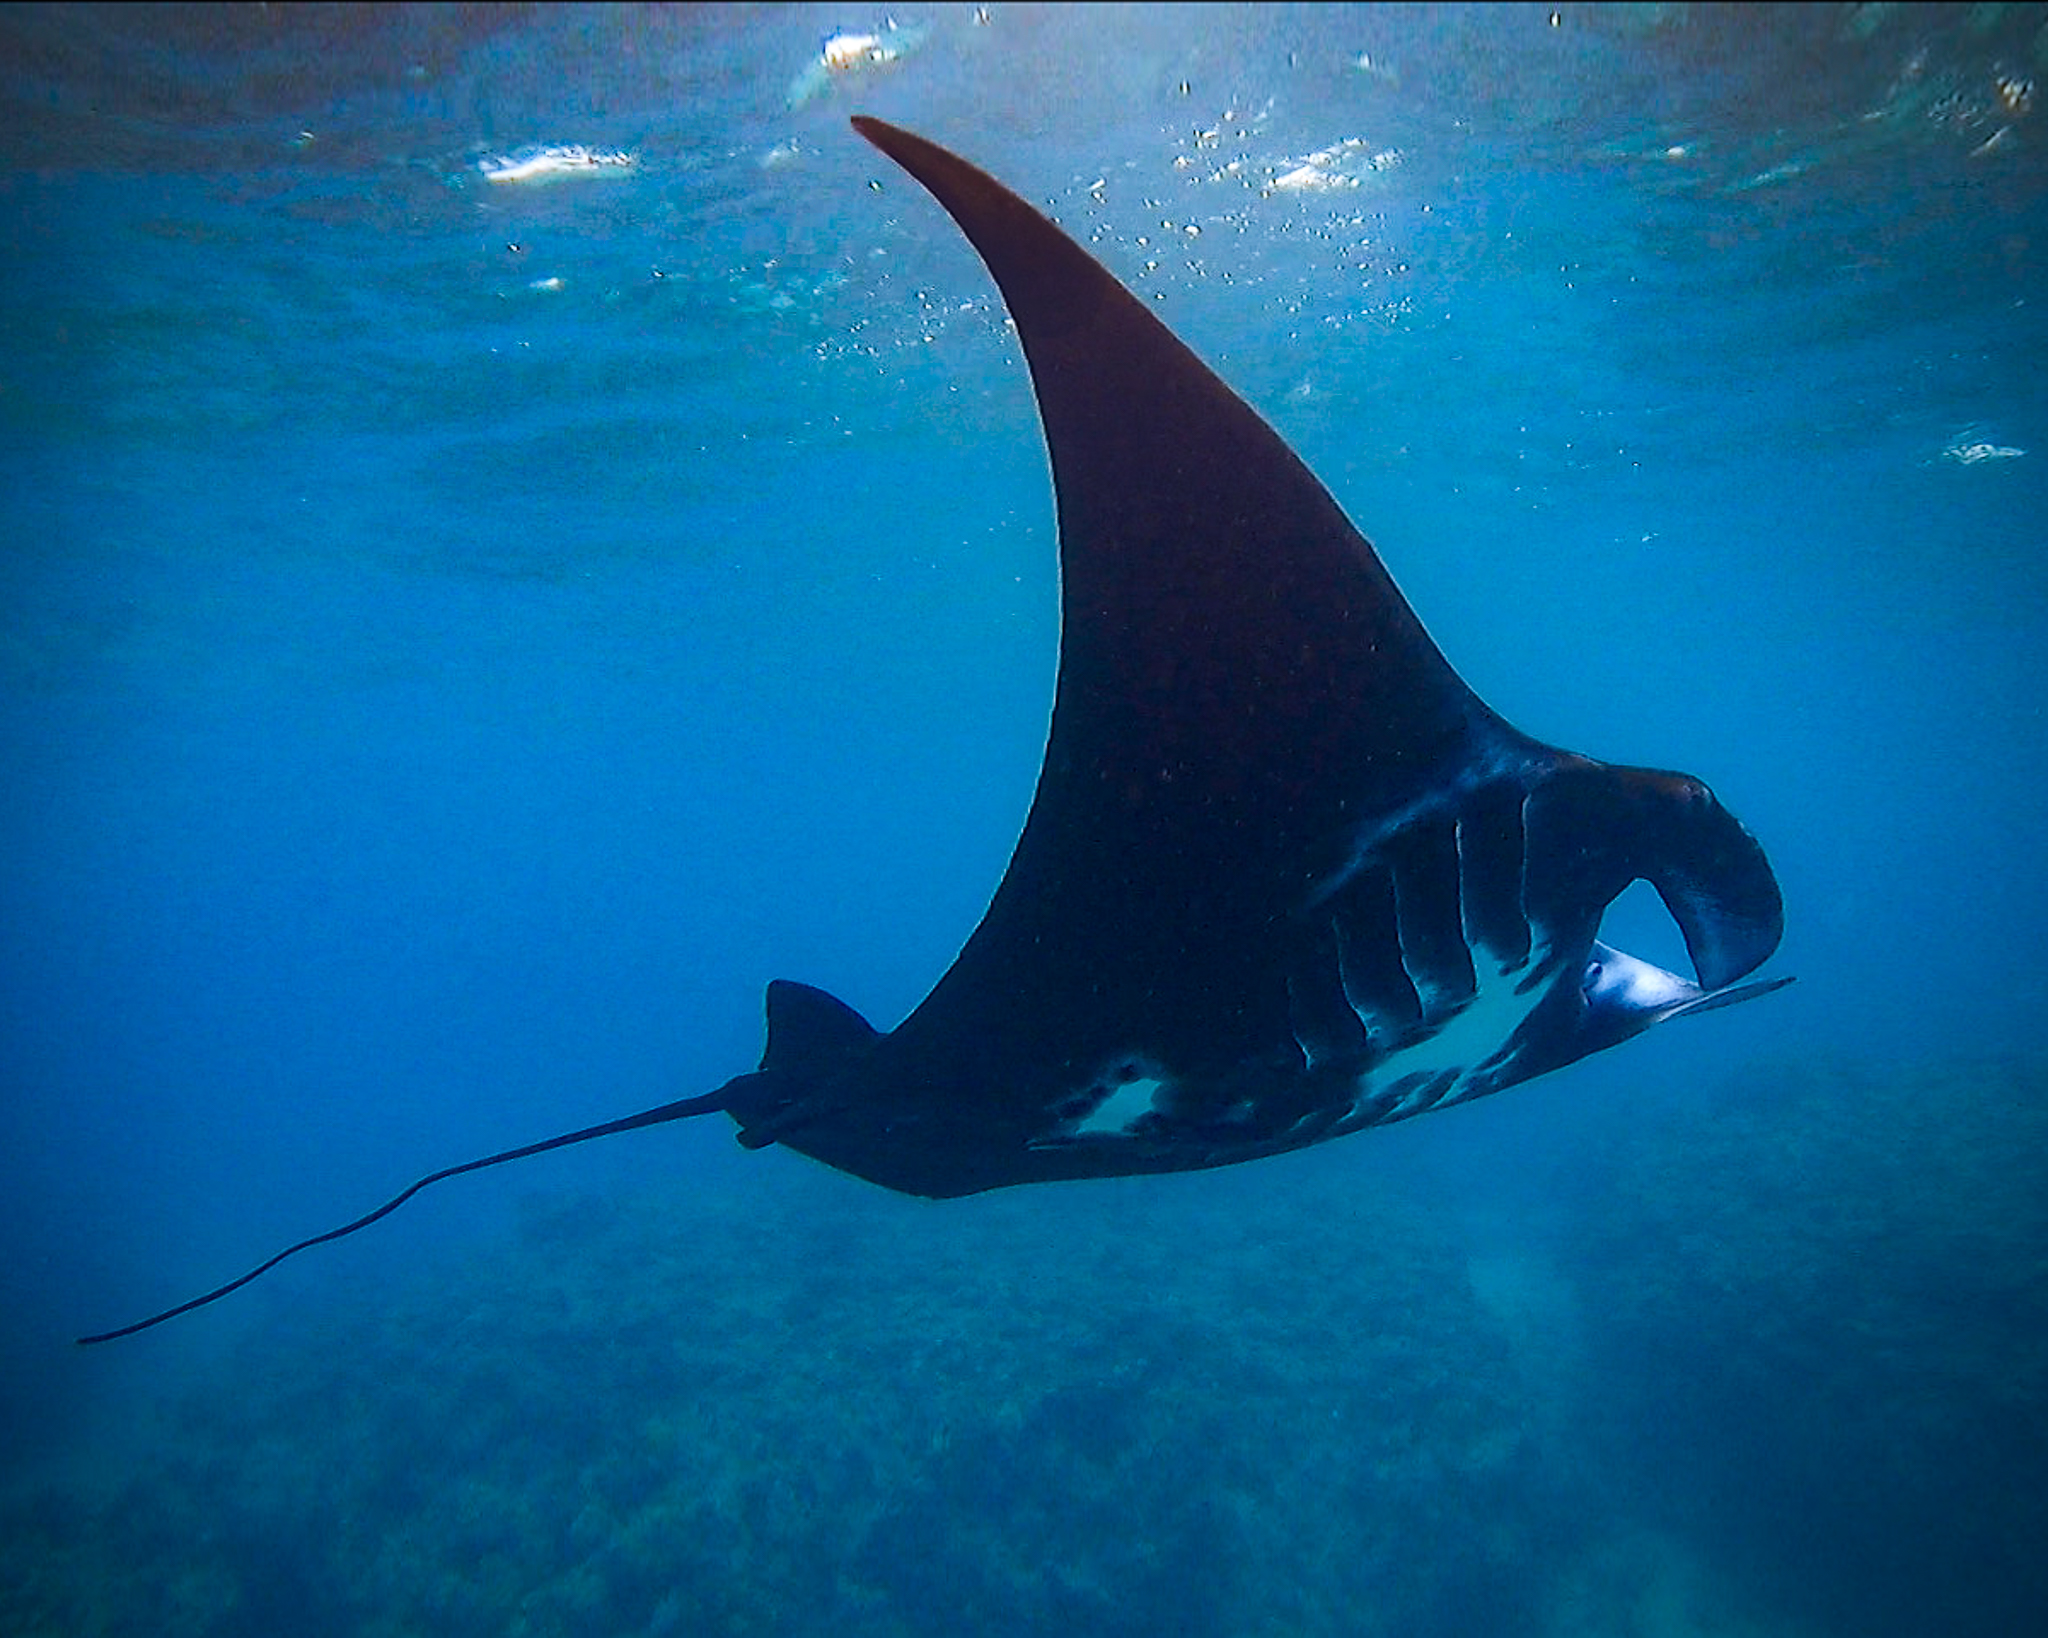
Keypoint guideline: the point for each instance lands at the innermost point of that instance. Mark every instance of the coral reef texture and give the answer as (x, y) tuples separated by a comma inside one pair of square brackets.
[(1282, 1401)]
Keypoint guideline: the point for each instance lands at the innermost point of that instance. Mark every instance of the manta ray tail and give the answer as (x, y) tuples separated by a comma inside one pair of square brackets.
[(709, 1104)]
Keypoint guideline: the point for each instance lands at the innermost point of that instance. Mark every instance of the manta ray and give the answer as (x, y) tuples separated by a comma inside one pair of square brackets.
[(1284, 876)]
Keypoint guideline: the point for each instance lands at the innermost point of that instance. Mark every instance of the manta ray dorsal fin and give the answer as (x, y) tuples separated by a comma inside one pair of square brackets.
[(809, 1031)]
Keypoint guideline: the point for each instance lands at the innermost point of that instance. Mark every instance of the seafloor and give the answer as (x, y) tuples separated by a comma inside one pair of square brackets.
[(1262, 1402)]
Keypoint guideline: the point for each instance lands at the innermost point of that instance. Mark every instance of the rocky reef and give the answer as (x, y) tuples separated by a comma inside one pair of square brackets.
[(1763, 1331)]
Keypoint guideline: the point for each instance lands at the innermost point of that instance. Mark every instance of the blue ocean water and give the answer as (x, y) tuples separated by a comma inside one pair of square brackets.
[(463, 635)]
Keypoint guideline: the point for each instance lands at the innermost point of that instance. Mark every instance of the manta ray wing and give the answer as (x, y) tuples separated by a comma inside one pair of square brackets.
[(1284, 875)]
